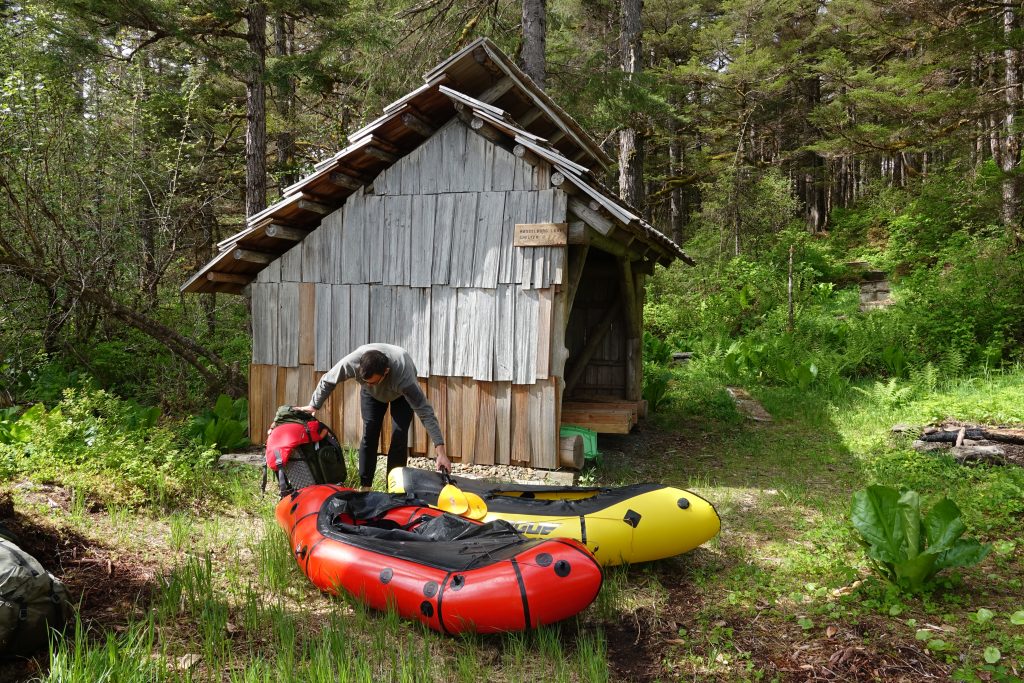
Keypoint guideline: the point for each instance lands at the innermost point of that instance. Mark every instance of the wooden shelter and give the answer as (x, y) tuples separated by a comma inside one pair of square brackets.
[(468, 225)]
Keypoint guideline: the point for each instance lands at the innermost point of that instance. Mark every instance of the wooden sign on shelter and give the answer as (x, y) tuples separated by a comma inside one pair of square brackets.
[(541, 235)]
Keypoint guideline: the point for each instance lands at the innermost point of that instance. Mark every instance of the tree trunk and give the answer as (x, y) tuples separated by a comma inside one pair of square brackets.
[(675, 220), (631, 143), (284, 36), (256, 114), (1010, 144), (535, 29)]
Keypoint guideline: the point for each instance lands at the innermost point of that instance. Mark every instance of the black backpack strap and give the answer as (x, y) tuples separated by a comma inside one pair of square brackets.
[(283, 483)]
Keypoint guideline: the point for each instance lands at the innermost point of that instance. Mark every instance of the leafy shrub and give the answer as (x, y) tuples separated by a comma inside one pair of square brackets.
[(10, 431), (907, 548), (656, 351), (223, 427), (99, 444), (775, 362), (656, 385), (657, 354)]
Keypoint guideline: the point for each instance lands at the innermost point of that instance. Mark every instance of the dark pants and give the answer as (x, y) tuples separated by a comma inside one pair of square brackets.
[(373, 420)]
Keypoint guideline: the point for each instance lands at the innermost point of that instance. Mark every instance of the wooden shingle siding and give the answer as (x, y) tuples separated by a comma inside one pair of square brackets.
[(488, 231), (312, 256), (474, 333), (464, 226), (398, 228), (272, 273), (330, 247), (382, 313), (353, 260), (430, 165), (504, 332), (424, 211), (291, 265), (452, 139), (503, 169), (473, 169), (442, 256), (359, 317), (373, 238), (524, 354), (421, 328), (412, 165), (288, 324), (264, 323), (263, 381), (306, 330), (502, 422), (442, 330), (486, 436), (337, 341)]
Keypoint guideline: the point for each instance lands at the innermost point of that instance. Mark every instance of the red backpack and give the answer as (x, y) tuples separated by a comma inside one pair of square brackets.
[(303, 451)]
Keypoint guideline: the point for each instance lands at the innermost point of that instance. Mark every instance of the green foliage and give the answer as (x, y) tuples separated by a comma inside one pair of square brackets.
[(656, 350), (224, 427), (772, 362), (12, 429), (907, 548), (657, 354), (656, 386), (110, 450)]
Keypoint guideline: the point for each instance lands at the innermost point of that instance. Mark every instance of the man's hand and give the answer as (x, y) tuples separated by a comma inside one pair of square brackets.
[(309, 409), (443, 463)]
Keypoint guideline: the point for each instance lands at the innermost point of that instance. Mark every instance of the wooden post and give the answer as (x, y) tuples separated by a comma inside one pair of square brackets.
[(570, 452), (634, 315), (577, 261)]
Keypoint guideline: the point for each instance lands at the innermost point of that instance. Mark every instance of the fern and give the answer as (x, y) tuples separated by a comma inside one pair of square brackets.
[(926, 378), (887, 394)]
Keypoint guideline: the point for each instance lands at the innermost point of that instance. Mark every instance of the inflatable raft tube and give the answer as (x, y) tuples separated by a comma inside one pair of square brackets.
[(451, 573), (620, 525)]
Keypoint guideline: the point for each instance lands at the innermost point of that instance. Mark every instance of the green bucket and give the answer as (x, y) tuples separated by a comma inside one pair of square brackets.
[(590, 452)]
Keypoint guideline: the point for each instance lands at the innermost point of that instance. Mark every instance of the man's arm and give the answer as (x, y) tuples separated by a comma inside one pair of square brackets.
[(344, 369), (421, 406)]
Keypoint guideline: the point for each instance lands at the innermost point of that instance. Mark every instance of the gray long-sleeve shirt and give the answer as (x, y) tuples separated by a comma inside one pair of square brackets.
[(400, 381)]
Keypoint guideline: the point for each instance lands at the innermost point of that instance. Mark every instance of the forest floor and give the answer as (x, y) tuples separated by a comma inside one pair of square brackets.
[(783, 593)]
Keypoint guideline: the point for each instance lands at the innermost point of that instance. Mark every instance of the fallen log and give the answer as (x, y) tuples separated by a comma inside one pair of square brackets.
[(993, 455), (1015, 436)]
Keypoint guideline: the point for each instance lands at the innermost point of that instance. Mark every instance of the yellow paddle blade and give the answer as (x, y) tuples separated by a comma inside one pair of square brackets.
[(453, 500), (477, 506)]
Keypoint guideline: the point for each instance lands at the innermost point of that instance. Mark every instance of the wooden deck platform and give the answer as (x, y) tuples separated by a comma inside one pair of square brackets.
[(604, 417)]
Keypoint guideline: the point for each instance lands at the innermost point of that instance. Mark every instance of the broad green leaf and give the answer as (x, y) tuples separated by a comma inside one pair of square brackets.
[(943, 525), (983, 615), (1017, 618), (223, 408), (910, 516), (936, 644), (923, 634), (992, 654), (914, 573), (964, 553), (874, 515)]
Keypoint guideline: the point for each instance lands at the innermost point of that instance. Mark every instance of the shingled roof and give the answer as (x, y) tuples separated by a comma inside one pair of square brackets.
[(483, 87)]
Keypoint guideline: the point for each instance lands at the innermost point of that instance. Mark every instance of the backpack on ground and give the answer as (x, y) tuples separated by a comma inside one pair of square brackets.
[(303, 451), (32, 601)]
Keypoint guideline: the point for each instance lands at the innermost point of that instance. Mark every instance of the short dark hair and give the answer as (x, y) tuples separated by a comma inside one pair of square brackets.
[(372, 363)]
